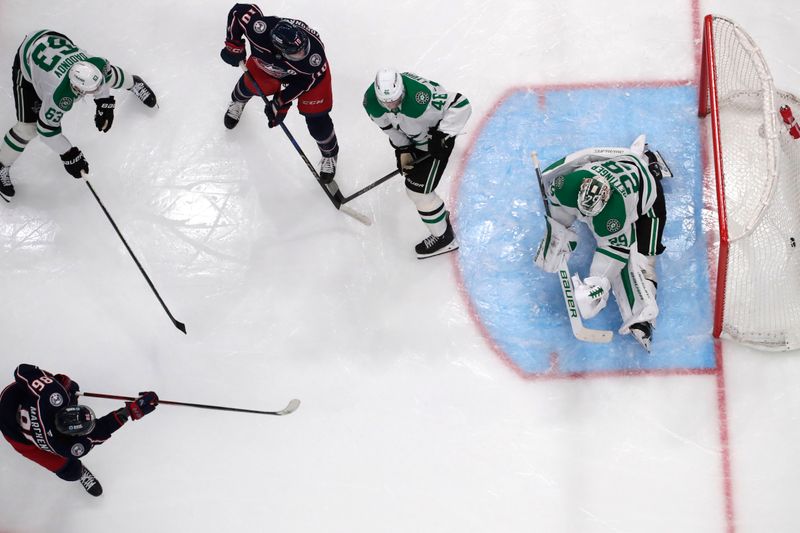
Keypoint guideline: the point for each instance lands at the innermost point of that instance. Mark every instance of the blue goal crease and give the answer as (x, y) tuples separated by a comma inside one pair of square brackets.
[(501, 220)]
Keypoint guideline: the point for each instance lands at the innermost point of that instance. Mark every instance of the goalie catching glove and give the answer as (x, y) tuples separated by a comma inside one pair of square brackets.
[(557, 243), (591, 294)]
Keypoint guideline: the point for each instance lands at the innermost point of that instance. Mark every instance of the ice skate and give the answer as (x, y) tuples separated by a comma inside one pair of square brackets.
[(327, 169), (6, 187), (143, 91), (90, 482), (643, 333), (433, 246), (233, 114)]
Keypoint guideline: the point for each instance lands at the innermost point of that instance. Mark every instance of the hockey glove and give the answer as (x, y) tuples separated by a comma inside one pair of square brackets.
[(143, 405), (405, 158), (233, 53), (276, 112), (440, 144), (558, 242), (104, 115), (74, 163)]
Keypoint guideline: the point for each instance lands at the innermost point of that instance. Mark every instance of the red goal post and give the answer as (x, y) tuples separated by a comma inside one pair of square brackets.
[(757, 170)]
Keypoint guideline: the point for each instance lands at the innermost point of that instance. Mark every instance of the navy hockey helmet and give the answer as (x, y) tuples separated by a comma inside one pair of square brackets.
[(292, 41), (75, 420), (593, 195)]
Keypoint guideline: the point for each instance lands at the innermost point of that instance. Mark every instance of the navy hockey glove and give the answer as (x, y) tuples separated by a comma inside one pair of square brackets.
[(143, 405), (276, 112), (440, 144), (104, 115), (233, 53), (74, 162)]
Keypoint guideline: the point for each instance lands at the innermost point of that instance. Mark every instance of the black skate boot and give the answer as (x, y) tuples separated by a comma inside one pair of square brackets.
[(233, 114), (143, 91), (327, 169), (6, 187), (643, 333), (442, 244), (90, 482)]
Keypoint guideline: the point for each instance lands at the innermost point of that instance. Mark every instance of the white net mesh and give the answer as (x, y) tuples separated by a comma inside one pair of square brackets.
[(761, 164)]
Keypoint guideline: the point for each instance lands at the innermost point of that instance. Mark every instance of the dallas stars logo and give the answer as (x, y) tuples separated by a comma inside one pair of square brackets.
[(613, 225), (422, 97)]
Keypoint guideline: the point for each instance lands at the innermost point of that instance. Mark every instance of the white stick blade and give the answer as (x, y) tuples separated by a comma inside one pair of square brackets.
[(291, 408)]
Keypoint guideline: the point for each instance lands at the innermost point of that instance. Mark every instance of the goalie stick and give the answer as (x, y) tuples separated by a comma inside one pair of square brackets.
[(289, 409), (334, 196), (581, 332)]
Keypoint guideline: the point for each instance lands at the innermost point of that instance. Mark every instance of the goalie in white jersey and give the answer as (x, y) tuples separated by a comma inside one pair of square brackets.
[(420, 117), (50, 74), (617, 193)]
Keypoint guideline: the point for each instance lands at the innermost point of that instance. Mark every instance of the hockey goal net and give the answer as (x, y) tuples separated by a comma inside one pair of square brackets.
[(757, 167)]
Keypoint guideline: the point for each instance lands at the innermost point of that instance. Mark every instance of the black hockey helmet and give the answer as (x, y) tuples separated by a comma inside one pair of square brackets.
[(75, 420), (292, 41)]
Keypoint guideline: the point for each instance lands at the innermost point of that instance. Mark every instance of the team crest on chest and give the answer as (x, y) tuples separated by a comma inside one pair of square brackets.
[(259, 26), (422, 97), (613, 225), (315, 60), (56, 399)]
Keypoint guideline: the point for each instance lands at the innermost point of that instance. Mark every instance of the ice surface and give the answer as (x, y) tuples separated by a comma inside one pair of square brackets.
[(414, 416)]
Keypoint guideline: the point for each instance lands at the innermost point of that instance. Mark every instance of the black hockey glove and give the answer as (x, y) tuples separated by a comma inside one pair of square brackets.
[(143, 405), (74, 162), (440, 144), (405, 157), (104, 115), (276, 112), (233, 53)]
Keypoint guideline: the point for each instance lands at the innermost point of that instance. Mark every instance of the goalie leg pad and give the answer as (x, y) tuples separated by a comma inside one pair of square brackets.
[(635, 295), (558, 241), (591, 294)]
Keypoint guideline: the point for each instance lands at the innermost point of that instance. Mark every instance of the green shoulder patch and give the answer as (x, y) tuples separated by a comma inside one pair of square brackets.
[(371, 104), (417, 97), (565, 188), (612, 218), (63, 96)]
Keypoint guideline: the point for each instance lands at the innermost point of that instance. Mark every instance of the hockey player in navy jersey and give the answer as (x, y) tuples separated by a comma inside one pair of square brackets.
[(287, 60), (41, 418)]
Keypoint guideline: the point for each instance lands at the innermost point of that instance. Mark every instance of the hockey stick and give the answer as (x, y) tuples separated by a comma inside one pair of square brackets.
[(175, 322), (581, 333), (336, 196), (289, 409), (380, 180)]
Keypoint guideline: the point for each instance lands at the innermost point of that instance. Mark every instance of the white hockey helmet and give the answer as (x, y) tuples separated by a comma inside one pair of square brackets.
[(389, 88), (85, 78), (593, 195)]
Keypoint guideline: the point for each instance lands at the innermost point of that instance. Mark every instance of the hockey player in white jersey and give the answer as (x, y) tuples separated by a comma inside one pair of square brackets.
[(420, 117), (50, 74), (617, 193)]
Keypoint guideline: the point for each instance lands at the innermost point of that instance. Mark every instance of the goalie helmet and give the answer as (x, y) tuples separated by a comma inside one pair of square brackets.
[(290, 40), (389, 88), (85, 78), (75, 420), (593, 195)]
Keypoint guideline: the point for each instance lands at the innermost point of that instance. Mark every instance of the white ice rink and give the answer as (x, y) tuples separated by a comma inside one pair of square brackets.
[(410, 422)]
